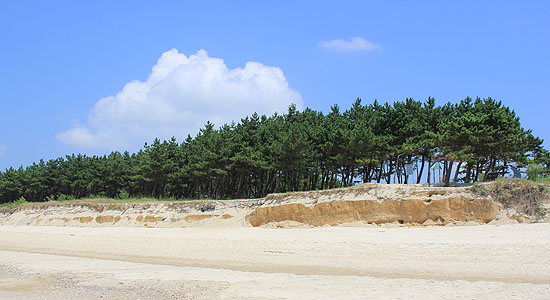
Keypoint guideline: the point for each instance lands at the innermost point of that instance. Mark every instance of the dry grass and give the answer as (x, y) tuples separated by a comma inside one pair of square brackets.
[(526, 197), (103, 204), (355, 190), (97, 204)]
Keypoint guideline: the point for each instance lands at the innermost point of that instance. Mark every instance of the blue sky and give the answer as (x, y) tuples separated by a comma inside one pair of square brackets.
[(58, 59)]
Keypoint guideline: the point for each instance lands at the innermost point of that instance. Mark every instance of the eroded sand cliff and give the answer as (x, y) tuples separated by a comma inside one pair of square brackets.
[(363, 204), (375, 203)]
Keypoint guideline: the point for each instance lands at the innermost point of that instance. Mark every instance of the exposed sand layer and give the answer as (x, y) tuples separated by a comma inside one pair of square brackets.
[(404, 211), (161, 214), (364, 204), (437, 262)]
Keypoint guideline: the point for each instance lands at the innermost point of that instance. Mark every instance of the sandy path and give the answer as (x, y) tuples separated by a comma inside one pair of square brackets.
[(477, 262)]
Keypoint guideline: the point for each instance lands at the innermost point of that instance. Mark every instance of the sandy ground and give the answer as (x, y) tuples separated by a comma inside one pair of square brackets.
[(445, 262)]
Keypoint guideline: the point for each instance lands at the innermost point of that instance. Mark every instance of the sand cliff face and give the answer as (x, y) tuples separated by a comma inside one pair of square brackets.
[(364, 204), (372, 203), (405, 211)]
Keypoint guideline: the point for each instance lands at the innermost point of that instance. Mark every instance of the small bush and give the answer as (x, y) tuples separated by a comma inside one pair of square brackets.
[(123, 195), (63, 197), (21, 200), (533, 171)]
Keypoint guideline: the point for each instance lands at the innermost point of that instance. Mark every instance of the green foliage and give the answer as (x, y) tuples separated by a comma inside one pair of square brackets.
[(296, 151), (533, 171), (21, 200), (63, 197), (123, 195)]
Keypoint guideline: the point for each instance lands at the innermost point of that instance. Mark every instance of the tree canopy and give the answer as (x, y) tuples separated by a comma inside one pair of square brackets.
[(296, 151)]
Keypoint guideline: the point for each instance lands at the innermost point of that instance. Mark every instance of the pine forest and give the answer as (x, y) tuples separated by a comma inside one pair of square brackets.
[(298, 151)]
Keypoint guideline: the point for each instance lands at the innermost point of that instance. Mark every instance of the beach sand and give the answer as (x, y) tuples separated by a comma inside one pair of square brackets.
[(376, 262)]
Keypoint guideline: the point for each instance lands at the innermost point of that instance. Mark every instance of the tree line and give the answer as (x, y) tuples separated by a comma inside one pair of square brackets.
[(297, 151)]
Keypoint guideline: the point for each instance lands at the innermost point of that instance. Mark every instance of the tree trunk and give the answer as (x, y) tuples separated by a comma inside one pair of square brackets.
[(379, 176), (429, 170), (390, 169), (455, 180), (448, 171), (478, 169), (419, 177), (468, 175)]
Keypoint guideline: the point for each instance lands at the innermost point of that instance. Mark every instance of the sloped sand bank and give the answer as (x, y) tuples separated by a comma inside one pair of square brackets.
[(402, 205), (154, 214)]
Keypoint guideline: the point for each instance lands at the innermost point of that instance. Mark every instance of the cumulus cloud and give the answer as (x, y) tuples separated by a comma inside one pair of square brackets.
[(3, 149), (351, 45), (180, 95)]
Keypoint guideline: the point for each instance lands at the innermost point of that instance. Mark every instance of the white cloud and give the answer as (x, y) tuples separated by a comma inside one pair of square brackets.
[(3, 149), (180, 95), (351, 45)]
